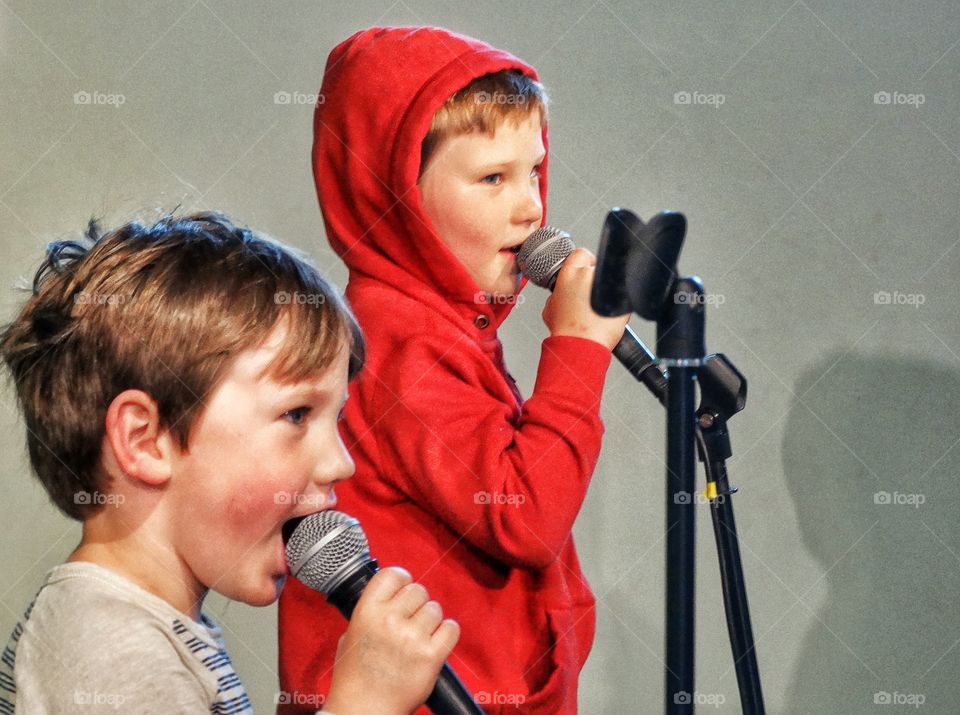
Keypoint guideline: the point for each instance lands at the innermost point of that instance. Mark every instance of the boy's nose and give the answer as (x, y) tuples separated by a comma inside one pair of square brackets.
[(335, 465), (529, 210)]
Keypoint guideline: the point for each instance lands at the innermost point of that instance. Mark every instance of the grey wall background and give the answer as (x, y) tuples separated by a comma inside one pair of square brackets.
[(810, 202)]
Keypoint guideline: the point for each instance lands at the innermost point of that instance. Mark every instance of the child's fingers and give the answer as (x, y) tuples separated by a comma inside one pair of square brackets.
[(386, 584), (446, 637), (428, 617), (411, 598), (580, 258), (577, 269)]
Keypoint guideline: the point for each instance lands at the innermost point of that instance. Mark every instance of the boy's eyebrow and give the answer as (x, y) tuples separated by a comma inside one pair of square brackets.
[(300, 390), (512, 162)]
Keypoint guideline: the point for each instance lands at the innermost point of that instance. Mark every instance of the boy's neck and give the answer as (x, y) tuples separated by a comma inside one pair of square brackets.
[(161, 574)]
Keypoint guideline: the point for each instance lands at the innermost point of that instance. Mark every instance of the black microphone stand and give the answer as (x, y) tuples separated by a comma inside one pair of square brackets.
[(680, 346), (723, 393), (636, 272)]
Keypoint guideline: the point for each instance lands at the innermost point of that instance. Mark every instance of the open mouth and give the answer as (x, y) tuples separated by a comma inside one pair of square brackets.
[(289, 526)]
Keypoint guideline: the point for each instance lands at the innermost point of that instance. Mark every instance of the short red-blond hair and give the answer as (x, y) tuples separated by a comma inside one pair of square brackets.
[(483, 105)]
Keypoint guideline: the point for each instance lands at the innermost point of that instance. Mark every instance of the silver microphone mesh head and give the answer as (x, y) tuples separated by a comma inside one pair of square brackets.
[(324, 548), (543, 253)]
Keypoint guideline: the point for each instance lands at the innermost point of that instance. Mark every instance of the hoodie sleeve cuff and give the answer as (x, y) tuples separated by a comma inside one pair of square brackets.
[(572, 366)]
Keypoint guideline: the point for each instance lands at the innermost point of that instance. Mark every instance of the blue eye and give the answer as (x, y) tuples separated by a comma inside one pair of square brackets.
[(535, 172), (496, 179), (296, 416)]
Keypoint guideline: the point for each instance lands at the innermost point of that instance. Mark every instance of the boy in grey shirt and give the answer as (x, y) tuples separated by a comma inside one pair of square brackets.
[(183, 405), (97, 629)]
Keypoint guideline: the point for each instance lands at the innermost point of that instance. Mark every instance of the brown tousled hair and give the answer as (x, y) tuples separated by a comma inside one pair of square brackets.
[(164, 308)]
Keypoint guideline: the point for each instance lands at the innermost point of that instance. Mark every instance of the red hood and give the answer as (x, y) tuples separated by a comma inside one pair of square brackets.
[(368, 129)]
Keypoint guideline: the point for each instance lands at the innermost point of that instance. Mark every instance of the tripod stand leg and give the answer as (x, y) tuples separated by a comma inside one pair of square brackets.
[(734, 592)]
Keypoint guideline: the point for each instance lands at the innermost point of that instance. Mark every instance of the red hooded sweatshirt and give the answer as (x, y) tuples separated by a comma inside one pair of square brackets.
[(458, 480)]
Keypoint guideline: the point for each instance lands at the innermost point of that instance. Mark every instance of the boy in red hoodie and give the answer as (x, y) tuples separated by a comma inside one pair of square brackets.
[(430, 164)]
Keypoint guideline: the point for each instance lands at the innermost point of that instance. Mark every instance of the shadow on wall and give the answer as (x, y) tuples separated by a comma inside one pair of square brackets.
[(871, 461)]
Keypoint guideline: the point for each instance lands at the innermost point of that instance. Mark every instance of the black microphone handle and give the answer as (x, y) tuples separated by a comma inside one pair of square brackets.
[(449, 696), (640, 362)]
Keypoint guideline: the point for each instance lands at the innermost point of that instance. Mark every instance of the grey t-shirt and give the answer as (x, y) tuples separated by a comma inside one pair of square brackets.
[(93, 642)]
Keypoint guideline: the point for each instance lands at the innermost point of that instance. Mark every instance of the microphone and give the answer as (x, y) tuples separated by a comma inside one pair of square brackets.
[(329, 553), (540, 258)]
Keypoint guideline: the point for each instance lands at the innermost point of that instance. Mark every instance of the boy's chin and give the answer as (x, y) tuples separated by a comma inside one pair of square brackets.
[(265, 595), (506, 289)]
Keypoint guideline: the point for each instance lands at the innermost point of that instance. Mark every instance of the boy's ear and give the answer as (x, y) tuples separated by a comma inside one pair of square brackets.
[(142, 449)]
